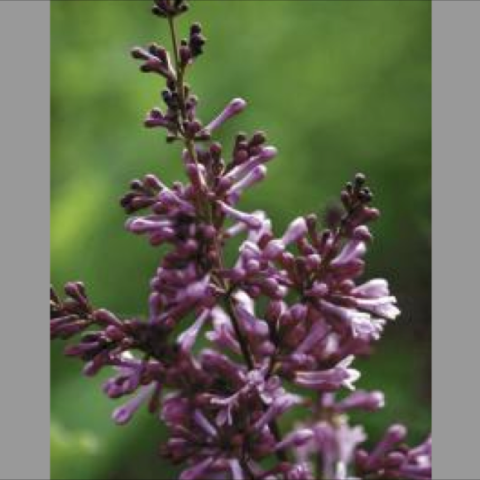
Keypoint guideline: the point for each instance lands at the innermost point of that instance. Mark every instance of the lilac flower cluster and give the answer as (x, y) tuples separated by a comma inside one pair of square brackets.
[(227, 350)]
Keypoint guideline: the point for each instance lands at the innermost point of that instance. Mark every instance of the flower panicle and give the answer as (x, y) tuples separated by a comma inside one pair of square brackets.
[(223, 348)]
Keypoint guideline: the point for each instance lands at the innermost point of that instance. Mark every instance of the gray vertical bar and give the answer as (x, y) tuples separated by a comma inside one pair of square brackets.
[(24, 239), (456, 259)]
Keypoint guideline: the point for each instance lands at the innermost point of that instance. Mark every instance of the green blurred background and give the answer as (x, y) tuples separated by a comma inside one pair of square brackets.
[(340, 87)]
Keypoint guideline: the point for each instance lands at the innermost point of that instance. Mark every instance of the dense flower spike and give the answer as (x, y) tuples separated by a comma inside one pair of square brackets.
[(223, 347)]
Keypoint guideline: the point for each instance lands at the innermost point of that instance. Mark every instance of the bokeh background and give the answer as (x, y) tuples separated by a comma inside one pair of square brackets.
[(340, 86)]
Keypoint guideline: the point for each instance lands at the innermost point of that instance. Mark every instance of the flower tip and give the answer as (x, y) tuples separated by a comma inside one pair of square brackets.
[(137, 53), (362, 233), (269, 152), (378, 399), (121, 415), (353, 376), (347, 361), (397, 433), (360, 179), (129, 223), (303, 436), (296, 230), (395, 312), (237, 105)]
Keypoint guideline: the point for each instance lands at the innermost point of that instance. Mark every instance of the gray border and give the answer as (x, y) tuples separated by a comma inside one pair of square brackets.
[(456, 153), (24, 247)]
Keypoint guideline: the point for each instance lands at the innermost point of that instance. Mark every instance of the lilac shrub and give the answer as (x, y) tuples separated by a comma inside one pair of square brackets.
[(280, 328)]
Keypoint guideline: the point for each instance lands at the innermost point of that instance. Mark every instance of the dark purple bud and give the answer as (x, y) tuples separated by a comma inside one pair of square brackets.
[(185, 55), (76, 290), (105, 317), (394, 435)]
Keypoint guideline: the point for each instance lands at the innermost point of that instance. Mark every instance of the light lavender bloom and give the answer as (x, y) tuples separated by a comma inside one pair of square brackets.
[(332, 379)]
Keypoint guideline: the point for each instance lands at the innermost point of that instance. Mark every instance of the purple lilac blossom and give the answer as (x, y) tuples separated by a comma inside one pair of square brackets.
[(225, 351)]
